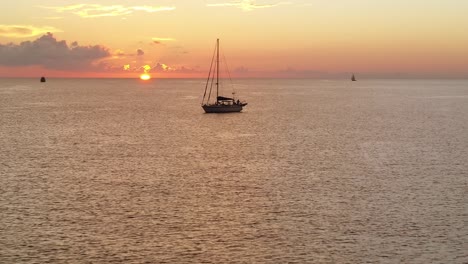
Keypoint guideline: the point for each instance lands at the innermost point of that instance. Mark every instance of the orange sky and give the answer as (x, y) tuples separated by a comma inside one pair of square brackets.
[(302, 38)]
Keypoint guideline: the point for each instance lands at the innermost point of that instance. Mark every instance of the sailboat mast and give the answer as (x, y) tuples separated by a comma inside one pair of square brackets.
[(217, 69)]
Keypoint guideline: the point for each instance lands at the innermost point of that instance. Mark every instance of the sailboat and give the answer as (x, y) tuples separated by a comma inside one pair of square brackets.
[(220, 104), (353, 78)]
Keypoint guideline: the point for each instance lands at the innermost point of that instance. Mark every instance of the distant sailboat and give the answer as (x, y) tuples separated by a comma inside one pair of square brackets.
[(353, 78), (43, 79), (222, 104)]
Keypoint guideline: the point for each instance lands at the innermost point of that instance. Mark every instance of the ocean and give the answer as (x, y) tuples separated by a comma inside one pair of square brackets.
[(312, 171)]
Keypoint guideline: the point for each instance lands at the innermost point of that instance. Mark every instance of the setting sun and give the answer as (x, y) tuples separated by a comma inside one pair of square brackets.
[(145, 77)]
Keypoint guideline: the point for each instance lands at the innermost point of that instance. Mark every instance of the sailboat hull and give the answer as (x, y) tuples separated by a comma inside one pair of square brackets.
[(222, 108)]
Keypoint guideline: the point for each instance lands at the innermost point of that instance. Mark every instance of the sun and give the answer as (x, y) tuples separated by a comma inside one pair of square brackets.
[(145, 77)]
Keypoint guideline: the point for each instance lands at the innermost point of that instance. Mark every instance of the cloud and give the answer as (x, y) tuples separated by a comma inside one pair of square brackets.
[(146, 68), (161, 67), (53, 18), (158, 68), (247, 5), (96, 10), (160, 40), (46, 51), (119, 53), (17, 31)]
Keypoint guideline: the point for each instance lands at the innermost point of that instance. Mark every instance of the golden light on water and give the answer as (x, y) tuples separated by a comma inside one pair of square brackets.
[(145, 77)]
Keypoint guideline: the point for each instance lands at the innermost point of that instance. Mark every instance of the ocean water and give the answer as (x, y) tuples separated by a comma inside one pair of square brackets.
[(312, 171)]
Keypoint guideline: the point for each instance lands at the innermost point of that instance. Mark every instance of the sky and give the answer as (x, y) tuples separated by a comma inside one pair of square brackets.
[(261, 39)]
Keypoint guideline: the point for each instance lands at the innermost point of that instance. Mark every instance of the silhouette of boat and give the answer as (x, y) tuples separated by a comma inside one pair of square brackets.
[(221, 104), (43, 79), (353, 78)]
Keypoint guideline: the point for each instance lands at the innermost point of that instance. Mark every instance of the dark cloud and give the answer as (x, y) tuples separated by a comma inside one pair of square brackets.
[(140, 52), (52, 54)]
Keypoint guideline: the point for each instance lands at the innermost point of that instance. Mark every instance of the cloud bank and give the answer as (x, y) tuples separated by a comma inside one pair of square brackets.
[(158, 67), (96, 10), (46, 51), (246, 5)]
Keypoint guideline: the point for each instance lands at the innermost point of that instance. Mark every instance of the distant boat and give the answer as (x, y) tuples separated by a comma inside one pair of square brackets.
[(43, 79), (222, 104), (353, 78)]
